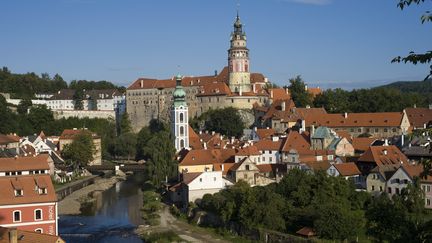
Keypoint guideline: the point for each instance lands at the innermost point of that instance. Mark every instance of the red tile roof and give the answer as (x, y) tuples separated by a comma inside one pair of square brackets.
[(207, 156), (6, 139), (28, 236), (28, 184), (279, 94), (384, 155), (318, 166), (378, 119), (362, 144), (250, 150), (295, 141), (269, 145), (418, 117), (189, 177), (39, 162), (265, 132), (306, 231), (226, 167), (216, 88), (347, 169)]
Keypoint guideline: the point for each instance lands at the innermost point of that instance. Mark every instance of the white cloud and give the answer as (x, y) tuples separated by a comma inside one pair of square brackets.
[(312, 2)]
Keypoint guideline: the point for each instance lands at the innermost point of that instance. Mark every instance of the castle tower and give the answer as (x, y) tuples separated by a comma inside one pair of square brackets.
[(179, 117), (238, 60)]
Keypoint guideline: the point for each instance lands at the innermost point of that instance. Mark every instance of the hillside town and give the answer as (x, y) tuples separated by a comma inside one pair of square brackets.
[(210, 147)]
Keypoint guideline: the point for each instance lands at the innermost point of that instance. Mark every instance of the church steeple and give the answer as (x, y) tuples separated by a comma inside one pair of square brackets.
[(238, 59), (180, 117)]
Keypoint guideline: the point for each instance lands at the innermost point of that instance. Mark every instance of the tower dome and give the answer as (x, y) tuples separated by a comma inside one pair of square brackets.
[(179, 94)]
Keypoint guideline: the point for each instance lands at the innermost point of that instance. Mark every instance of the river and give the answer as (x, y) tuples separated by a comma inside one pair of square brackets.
[(111, 218)]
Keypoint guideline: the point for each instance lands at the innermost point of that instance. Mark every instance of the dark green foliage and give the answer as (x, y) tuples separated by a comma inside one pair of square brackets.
[(26, 85), (125, 124), (368, 100), (124, 146), (225, 121), (329, 204), (29, 84), (78, 98), (155, 145), (299, 94), (24, 105), (79, 153)]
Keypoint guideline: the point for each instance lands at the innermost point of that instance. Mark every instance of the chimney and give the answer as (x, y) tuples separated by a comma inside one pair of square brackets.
[(283, 106), (222, 167), (13, 235), (241, 92), (402, 140), (430, 106), (205, 145), (232, 140), (200, 132), (307, 106), (306, 87), (303, 126), (216, 74), (346, 115), (386, 143), (275, 138), (385, 151), (286, 90), (255, 129), (415, 105), (271, 94), (312, 130), (254, 88), (213, 132)]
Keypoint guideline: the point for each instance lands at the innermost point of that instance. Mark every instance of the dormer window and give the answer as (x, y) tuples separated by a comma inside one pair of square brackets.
[(43, 191), (18, 193)]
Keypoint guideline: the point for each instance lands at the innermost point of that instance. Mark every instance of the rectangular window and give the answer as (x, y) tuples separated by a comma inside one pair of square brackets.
[(389, 190), (17, 216), (18, 193), (397, 190), (381, 189), (38, 214), (373, 188), (376, 129), (247, 167), (428, 202), (270, 159)]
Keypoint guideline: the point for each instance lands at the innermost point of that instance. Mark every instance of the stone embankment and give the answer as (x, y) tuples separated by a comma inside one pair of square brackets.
[(71, 205)]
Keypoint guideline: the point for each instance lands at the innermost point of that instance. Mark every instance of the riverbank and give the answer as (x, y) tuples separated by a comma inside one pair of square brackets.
[(71, 205)]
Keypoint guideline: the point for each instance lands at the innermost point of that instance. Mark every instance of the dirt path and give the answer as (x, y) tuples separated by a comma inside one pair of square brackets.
[(184, 230)]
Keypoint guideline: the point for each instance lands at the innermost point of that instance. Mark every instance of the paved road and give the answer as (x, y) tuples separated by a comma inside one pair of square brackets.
[(184, 230)]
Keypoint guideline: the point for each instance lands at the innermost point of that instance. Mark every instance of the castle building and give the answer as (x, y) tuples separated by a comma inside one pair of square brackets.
[(180, 117), (235, 86)]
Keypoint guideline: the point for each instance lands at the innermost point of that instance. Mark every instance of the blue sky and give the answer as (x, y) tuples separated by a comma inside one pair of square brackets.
[(331, 43)]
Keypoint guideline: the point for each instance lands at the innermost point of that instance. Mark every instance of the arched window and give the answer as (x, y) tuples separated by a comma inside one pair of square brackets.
[(39, 230), (17, 216), (182, 143), (38, 214), (181, 130), (181, 117)]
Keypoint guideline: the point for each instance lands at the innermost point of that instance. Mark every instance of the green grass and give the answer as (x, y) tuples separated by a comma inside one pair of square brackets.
[(162, 237)]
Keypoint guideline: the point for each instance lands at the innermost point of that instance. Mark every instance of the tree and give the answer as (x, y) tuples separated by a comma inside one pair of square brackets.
[(125, 145), (299, 94), (80, 152), (226, 121), (413, 57), (24, 105), (41, 118), (125, 124), (78, 99)]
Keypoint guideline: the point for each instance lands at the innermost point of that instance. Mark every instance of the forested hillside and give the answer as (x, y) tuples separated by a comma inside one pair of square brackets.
[(28, 84)]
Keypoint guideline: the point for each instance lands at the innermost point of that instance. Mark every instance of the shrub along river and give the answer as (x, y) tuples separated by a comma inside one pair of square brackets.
[(112, 217)]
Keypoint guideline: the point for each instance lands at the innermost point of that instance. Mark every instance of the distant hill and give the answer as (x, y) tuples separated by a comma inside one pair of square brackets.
[(421, 87)]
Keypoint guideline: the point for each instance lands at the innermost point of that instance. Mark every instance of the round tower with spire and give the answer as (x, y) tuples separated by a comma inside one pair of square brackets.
[(180, 117), (238, 60)]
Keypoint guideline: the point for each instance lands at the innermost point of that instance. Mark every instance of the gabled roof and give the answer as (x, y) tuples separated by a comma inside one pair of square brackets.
[(28, 183), (377, 119), (384, 155), (269, 144), (279, 94), (39, 162), (189, 177), (418, 117), (303, 112), (347, 169), (275, 111), (267, 168), (265, 132), (28, 236), (250, 150), (318, 166), (246, 160), (362, 144), (207, 156), (295, 141), (215, 88), (6, 139), (386, 171)]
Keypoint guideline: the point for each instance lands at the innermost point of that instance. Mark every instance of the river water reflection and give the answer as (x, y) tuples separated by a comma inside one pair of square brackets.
[(111, 218)]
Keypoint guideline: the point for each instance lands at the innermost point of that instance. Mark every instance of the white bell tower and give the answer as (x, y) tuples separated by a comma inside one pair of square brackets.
[(180, 117)]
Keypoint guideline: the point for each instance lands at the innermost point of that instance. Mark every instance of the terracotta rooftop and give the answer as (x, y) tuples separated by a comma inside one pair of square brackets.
[(318, 166), (314, 91), (226, 167), (6, 139), (295, 141), (362, 144), (248, 151), (215, 88), (187, 81), (265, 132), (268, 144), (28, 183), (71, 133), (279, 94), (378, 119), (418, 117), (189, 177), (207, 156), (267, 168), (347, 169), (384, 155), (306, 231), (303, 112), (39, 162), (28, 236)]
